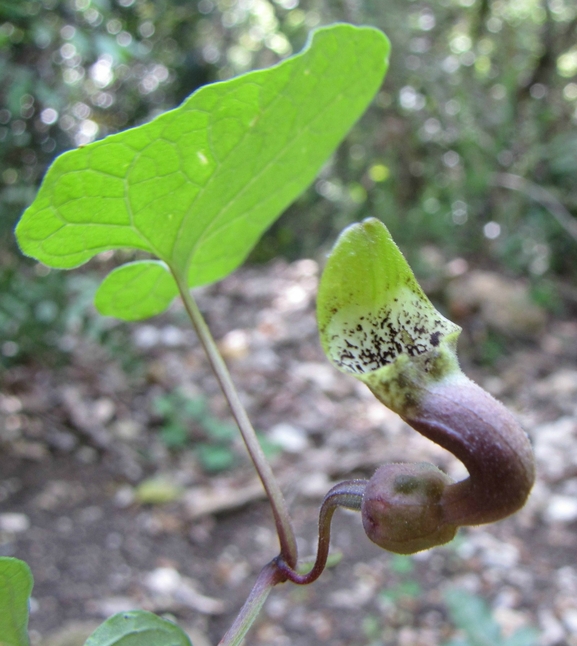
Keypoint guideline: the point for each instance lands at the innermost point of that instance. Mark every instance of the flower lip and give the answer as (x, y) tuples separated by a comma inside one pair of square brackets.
[(371, 309), (362, 341)]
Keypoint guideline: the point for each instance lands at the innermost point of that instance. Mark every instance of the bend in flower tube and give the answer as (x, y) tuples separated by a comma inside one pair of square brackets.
[(377, 324)]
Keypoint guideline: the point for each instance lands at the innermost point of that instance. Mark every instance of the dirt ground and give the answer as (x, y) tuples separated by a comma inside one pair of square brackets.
[(110, 518)]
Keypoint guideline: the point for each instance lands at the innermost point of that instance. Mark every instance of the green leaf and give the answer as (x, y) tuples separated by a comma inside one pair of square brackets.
[(197, 186), (472, 615), (137, 628), (525, 636), (136, 290), (15, 588), (157, 491), (214, 457), (174, 436), (402, 564)]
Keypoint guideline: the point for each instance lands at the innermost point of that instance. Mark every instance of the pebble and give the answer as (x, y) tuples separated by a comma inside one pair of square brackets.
[(561, 509), (552, 631), (172, 336), (169, 585), (111, 605), (290, 438), (14, 523), (163, 580), (124, 496), (126, 429), (235, 344), (569, 618), (146, 336), (554, 445), (103, 409), (321, 374)]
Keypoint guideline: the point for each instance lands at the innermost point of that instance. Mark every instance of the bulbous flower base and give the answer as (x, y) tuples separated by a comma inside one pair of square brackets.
[(401, 508)]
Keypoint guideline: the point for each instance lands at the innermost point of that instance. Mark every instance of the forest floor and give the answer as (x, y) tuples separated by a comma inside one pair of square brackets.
[(122, 485)]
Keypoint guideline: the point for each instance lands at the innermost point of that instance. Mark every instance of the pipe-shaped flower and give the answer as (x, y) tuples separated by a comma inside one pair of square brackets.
[(377, 324)]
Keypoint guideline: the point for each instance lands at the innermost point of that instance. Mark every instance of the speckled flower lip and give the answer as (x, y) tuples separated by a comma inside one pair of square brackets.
[(377, 324)]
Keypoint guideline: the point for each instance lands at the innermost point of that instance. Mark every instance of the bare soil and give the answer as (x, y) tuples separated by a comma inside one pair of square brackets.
[(78, 442)]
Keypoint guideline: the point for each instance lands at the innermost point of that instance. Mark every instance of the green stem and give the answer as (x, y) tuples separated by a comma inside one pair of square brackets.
[(279, 508), (269, 576)]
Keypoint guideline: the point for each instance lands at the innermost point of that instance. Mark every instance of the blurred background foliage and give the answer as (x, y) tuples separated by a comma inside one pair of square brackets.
[(468, 153)]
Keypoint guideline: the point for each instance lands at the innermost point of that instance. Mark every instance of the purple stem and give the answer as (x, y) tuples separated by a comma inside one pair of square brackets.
[(269, 576), (348, 494)]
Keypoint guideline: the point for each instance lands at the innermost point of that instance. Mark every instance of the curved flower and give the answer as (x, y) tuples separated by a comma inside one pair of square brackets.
[(377, 324)]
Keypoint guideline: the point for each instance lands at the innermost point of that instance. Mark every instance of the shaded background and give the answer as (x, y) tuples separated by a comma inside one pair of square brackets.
[(469, 150), (468, 154)]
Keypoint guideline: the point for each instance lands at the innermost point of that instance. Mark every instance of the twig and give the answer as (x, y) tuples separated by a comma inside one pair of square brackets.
[(541, 195)]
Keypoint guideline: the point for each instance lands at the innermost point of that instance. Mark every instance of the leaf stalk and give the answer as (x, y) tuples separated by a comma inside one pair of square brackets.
[(288, 547)]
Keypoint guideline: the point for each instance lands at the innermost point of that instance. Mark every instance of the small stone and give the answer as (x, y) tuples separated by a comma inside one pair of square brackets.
[(554, 446), (235, 344), (321, 374), (552, 631), (91, 514), (124, 496), (314, 485), (569, 618), (290, 438), (163, 580), (14, 523), (36, 451), (61, 440), (111, 606), (87, 455), (10, 404), (103, 410), (146, 336), (561, 509), (560, 383), (294, 297), (172, 589), (126, 429), (505, 305), (172, 336)]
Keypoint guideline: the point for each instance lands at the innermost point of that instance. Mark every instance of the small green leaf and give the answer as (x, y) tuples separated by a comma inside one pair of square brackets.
[(138, 628), (214, 457), (405, 589), (472, 615), (197, 186), (157, 491), (402, 564), (525, 636), (15, 588), (174, 435), (136, 290)]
